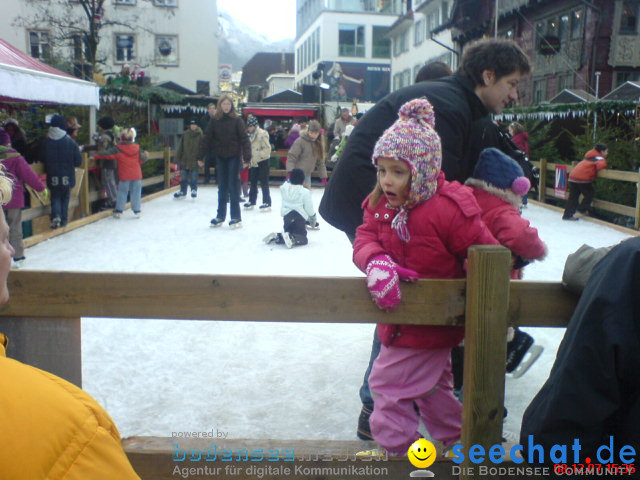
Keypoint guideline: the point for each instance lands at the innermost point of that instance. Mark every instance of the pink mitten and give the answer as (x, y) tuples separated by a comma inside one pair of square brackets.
[(382, 281)]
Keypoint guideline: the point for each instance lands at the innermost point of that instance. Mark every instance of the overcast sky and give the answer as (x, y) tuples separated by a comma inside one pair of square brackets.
[(276, 19)]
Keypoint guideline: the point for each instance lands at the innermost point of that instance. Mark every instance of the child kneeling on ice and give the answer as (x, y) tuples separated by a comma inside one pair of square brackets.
[(297, 209), (499, 184), (416, 225)]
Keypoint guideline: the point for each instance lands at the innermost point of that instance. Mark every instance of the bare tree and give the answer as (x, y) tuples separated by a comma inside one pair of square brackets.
[(77, 25)]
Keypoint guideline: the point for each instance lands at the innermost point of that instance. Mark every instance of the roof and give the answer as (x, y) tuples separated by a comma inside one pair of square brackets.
[(572, 95), (176, 88), (626, 91), (26, 79), (286, 96), (263, 64)]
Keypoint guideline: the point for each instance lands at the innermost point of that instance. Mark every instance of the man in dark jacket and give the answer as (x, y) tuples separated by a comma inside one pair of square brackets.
[(593, 390), (60, 155), (486, 82)]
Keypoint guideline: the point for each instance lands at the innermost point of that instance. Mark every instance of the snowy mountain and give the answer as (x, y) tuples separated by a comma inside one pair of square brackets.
[(237, 42)]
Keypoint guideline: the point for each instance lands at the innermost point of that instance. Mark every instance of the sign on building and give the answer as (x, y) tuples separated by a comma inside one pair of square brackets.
[(225, 72)]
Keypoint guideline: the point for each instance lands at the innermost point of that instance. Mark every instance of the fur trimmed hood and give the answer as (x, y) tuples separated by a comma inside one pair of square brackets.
[(505, 194)]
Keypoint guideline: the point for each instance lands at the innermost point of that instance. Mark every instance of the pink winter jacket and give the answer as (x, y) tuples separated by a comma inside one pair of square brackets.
[(505, 223), (441, 231)]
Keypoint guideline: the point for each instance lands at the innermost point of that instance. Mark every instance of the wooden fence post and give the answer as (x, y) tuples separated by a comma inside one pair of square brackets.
[(51, 344), (485, 349), (167, 167), (636, 220), (543, 180), (85, 204)]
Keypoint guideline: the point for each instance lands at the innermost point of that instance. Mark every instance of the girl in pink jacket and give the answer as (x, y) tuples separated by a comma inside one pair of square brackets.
[(416, 225)]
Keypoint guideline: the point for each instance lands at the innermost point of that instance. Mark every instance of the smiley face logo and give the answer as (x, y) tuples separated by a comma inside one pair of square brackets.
[(422, 453)]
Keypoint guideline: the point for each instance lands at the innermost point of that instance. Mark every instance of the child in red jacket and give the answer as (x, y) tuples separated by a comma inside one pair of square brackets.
[(416, 225), (129, 159), (499, 184), (581, 181)]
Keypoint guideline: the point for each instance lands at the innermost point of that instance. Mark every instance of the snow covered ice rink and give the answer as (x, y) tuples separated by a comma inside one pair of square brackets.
[(251, 379)]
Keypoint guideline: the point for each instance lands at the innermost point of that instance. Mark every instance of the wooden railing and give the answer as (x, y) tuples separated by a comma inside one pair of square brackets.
[(82, 197), (618, 175), (46, 308)]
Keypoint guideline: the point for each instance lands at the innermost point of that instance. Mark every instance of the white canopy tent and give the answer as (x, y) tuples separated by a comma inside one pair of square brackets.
[(26, 79)]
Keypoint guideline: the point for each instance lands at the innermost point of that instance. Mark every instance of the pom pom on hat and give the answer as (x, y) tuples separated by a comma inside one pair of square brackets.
[(501, 171)]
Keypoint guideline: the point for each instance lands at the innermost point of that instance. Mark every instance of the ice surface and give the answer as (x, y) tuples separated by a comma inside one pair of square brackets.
[(250, 380)]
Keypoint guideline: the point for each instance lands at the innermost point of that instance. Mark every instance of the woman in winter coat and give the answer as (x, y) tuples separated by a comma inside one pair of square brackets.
[(227, 137), (259, 169), (519, 137), (18, 137), (129, 158), (56, 430), (60, 155), (416, 225), (306, 154), (20, 172)]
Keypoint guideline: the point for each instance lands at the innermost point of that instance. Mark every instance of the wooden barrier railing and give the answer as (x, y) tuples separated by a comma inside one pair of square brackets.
[(486, 303), (82, 196), (618, 175)]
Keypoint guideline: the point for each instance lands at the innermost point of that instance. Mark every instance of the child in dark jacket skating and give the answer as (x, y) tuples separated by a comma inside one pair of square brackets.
[(297, 209), (416, 225)]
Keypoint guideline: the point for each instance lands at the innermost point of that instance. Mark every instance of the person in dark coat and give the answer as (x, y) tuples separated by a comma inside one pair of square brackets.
[(593, 390), (60, 155), (485, 83), (226, 137)]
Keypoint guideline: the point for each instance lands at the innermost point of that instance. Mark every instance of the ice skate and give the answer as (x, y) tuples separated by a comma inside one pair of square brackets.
[(179, 195), (271, 238), (312, 227), (235, 223), (217, 222), (265, 207), (288, 239), (249, 206), (521, 353), (194, 193)]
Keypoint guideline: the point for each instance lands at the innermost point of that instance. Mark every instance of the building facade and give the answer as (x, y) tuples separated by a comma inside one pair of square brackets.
[(344, 45), (592, 46), (418, 39), (168, 40)]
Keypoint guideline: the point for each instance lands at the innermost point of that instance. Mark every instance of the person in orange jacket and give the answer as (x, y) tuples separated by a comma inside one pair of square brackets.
[(50, 428), (581, 181)]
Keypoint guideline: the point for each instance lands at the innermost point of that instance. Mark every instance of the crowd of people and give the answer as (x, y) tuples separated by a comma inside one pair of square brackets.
[(418, 180)]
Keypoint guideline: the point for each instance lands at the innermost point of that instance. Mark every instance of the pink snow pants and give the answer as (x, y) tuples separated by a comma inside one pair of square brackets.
[(402, 376)]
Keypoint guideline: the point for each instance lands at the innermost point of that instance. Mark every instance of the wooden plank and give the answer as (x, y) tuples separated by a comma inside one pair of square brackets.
[(53, 346), (615, 208), (156, 458), (276, 298), (40, 237), (485, 348)]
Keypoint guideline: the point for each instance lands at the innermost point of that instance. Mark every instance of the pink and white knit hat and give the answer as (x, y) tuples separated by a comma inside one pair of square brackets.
[(413, 140)]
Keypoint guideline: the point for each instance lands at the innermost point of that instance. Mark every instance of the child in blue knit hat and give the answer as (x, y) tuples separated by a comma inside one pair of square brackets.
[(498, 184)]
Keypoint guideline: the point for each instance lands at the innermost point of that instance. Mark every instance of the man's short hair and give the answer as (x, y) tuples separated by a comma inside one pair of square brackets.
[(502, 56)]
